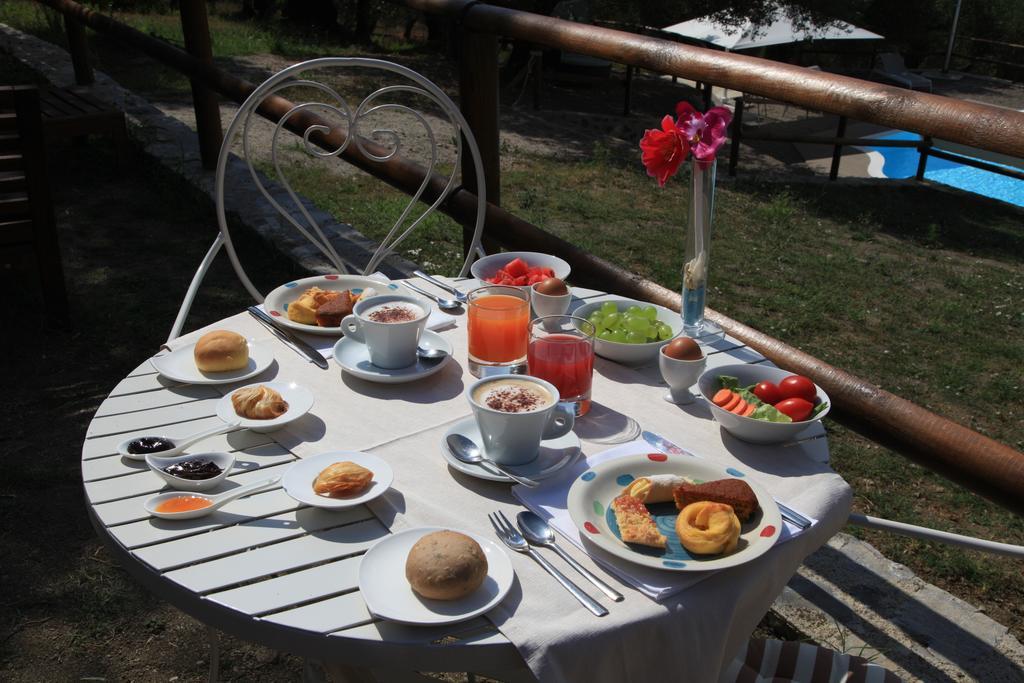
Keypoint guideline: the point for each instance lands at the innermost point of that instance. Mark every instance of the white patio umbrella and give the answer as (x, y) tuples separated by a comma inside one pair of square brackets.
[(780, 32)]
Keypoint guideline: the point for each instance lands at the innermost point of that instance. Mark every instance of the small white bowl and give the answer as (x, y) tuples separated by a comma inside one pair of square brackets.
[(749, 429), (225, 461), (632, 354), (680, 375), (546, 304), (488, 266)]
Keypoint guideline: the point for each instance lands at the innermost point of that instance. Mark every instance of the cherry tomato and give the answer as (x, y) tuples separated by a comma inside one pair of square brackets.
[(798, 386), (797, 408), (768, 392)]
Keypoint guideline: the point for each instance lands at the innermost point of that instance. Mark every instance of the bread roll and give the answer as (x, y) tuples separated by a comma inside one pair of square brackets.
[(445, 565), (221, 351)]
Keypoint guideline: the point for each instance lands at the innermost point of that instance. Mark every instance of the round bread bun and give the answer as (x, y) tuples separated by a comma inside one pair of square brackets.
[(221, 351), (445, 565)]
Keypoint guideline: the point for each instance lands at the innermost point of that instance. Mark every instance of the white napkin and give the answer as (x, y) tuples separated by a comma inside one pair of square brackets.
[(549, 501)]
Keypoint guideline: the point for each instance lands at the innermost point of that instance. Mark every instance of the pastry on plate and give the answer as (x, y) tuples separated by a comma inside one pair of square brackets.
[(303, 309), (735, 493), (445, 565), (706, 528), (330, 313), (342, 479), (656, 488), (258, 403), (636, 525), (221, 351)]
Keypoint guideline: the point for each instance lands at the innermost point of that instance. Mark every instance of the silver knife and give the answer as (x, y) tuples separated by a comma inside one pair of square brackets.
[(288, 337), (666, 446)]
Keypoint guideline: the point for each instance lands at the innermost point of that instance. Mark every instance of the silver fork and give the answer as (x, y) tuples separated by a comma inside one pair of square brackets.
[(514, 540)]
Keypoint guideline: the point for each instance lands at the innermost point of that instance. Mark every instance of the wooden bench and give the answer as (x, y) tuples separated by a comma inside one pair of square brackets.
[(26, 209), (73, 112)]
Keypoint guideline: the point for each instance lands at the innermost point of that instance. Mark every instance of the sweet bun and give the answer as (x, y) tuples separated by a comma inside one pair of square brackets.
[(446, 565), (221, 351)]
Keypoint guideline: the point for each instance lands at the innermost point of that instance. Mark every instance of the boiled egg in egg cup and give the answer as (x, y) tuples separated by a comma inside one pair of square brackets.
[(681, 363), (550, 297)]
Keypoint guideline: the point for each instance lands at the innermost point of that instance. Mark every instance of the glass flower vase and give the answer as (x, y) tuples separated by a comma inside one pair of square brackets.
[(699, 214)]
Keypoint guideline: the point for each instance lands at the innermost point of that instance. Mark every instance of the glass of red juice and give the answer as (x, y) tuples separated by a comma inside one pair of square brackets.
[(561, 351)]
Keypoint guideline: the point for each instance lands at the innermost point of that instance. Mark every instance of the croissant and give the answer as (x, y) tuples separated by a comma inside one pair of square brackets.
[(342, 479), (259, 403)]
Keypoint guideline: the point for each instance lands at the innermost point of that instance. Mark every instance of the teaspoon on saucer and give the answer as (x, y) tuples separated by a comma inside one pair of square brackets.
[(214, 502), (466, 450), (179, 444)]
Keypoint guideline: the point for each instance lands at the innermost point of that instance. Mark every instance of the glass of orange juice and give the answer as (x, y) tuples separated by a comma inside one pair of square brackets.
[(499, 322)]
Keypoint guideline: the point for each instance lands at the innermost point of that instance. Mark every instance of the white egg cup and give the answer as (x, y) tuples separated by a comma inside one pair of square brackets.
[(680, 375), (546, 304)]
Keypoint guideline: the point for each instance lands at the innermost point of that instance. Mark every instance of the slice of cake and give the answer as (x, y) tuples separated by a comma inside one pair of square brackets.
[(330, 313), (734, 492), (636, 524)]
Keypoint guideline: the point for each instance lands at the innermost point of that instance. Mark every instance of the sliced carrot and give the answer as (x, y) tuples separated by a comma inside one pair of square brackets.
[(733, 401), (739, 407), (750, 409), (722, 397)]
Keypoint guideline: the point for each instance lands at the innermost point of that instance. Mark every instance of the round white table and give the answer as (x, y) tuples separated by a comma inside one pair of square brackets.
[(271, 570)]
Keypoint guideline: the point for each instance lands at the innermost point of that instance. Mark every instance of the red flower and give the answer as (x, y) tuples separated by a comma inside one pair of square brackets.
[(662, 151), (705, 133)]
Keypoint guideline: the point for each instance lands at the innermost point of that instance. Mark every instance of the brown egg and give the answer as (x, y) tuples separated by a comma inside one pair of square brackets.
[(683, 348), (552, 287)]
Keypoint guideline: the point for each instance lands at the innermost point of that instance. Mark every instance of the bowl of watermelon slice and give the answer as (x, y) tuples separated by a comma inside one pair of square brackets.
[(519, 268)]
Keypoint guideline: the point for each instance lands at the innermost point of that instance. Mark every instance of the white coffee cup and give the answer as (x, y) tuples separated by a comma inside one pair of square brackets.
[(513, 438), (390, 325)]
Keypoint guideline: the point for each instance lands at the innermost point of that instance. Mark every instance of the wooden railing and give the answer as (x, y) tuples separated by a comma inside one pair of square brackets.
[(967, 457)]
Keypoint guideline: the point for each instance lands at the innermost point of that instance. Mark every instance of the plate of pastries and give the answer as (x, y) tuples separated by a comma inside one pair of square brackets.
[(674, 512), (338, 479), (317, 304), (266, 406), (217, 357)]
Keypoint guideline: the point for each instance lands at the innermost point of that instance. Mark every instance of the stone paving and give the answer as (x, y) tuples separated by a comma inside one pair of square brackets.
[(847, 595)]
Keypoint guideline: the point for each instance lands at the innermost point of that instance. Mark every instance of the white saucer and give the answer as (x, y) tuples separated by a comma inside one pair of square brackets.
[(180, 365), (299, 399), (354, 358), (554, 456), (298, 480), (388, 594)]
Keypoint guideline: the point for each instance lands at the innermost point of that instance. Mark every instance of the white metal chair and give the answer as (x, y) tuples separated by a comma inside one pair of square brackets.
[(298, 81)]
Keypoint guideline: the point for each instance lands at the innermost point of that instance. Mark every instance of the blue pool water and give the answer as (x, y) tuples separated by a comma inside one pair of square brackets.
[(901, 162)]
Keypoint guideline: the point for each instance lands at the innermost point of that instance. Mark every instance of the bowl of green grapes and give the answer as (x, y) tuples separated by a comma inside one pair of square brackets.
[(630, 332)]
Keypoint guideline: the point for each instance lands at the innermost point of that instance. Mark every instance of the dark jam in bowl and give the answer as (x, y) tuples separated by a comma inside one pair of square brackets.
[(149, 444), (193, 469)]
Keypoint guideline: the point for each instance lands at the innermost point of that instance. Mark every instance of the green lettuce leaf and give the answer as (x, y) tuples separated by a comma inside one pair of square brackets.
[(817, 409), (769, 414)]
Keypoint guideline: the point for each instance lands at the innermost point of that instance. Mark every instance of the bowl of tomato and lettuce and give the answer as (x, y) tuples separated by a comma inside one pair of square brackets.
[(762, 406), (518, 268)]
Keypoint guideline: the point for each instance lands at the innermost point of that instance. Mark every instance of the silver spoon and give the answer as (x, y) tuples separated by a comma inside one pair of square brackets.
[(459, 296), (180, 444), (467, 451), (537, 532), (431, 353), (443, 304)]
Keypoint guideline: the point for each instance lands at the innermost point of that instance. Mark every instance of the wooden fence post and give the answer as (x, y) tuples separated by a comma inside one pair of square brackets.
[(737, 133), (478, 99), (922, 162), (837, 150), (79, 49), (196, 29)]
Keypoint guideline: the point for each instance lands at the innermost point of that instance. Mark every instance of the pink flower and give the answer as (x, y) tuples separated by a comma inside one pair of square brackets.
[(662, 151), (704, 133)]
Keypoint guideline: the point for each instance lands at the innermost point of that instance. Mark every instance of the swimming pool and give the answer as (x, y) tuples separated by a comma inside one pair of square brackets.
[(901, 162)]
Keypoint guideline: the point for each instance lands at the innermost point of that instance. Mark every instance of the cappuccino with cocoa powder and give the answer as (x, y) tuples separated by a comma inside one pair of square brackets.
[(513, 395)]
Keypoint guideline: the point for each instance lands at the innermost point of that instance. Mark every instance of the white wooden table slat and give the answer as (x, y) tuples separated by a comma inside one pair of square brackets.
[(245, 535), (133, 403), (145, 367), (102, 446), (138, 384), (150, 419), (478, 630), (146, 481), (292, 589), (327, 615), (298, 553), (104, 467), (131, 509)]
